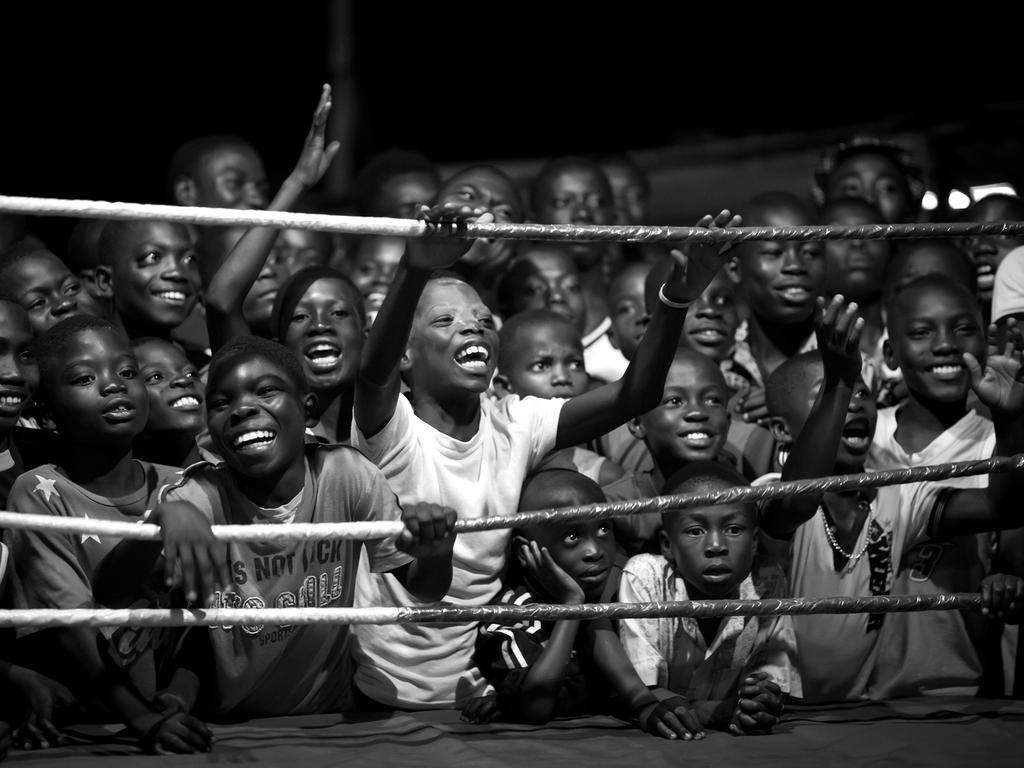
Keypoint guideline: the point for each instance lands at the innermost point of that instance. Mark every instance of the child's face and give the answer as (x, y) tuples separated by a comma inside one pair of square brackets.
[(855, 268), (628, 313), (577, 195), (545, 361), (231, 177), (296, 249), (781, 280), (401, 196), (554, 284), (96, 394), (628, 194), (710, 325), (692, 421), (482, 188), (858, 429), (48, 291), (256, 417), (326, 334), (258, 304), (376, 260), (155, 275), (988, 251), (584, 550), (19, 373), (175, 390), (874, 178), (453, 349), (712, 548), (930, 329)]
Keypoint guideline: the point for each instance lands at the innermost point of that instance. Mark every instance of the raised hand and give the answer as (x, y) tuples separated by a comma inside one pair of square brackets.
[(429, 531), (316, 157), (542, 570), (1002, 597), (838, 330), (671, 718), (1000, 385), (439, 250), (193, 558), (697, 264), (759, 706)]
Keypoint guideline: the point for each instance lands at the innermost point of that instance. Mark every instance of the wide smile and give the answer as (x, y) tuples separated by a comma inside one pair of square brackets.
[(986, 276), (473, 357), (174, 298), (857, 436), (11, 402), (697, 440), (709, 335), (254, 441), (186, 403), (794, 294), (323, 356), (951, 371)]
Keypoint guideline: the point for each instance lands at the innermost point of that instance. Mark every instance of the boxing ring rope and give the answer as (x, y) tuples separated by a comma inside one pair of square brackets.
[(600, 511), (364, 225), (40, 618)]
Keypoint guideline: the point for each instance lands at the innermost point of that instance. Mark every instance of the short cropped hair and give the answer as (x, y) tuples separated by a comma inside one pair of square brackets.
[(790, 377), (380, 168), (278, 354), (929, 282), (51, 345), (555, 166), (17, 252), (186, 158), (695, 476)]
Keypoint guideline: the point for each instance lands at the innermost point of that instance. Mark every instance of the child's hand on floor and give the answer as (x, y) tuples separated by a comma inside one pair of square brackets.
[(177, 733), (316, 157), (193, 558), (759, 706), (838, 330), (1002, 597), (429, 531), (1000, 385), (43, 698), (671, 718), (480, 710), (542, 570), (442, 251), (697, 264)]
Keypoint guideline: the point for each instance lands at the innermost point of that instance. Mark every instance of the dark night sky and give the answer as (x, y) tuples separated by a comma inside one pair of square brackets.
[(95, 98)]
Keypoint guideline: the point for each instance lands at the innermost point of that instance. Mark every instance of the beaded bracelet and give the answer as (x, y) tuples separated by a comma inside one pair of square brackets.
[(669, 303)]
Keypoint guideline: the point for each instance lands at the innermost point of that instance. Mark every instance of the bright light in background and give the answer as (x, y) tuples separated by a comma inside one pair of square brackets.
[(958, 200), (984, 190), (930, 201)]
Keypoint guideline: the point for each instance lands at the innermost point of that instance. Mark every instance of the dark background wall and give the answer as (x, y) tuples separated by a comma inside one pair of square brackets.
[(96, 96)]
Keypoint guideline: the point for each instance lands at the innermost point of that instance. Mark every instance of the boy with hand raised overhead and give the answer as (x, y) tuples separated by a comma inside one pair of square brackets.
[(449, 443)]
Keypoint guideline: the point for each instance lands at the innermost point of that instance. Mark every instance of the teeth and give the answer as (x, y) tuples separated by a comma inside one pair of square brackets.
[(857, 442), (796, 294), (185, 402), (11, 400), (697, 438), (986, 281), (473, 356), (172, 297), (708, 334), (259, 438), (323, 357), (946, 370)]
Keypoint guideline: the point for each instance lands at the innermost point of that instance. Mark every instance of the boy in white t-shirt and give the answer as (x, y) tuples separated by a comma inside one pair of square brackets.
[(449, 443), (861, 539)]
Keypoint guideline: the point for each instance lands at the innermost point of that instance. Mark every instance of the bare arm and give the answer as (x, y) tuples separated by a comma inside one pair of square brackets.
[(236, 276), (378, 383), (815, 449), (600, 410)]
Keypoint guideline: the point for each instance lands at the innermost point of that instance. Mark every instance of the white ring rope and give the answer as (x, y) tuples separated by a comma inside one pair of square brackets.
[(223, 617), (385, 529), (365, 225)]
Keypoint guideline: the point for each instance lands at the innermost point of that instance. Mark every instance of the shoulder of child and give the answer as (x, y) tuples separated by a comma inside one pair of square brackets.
[(646, 566)]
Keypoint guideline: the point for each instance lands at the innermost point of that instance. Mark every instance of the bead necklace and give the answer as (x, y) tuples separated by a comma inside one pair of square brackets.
[(863, 505)]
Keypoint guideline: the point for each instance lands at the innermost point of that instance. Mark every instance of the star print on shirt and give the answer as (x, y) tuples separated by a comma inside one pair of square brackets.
[(94, 536), (46, 486)]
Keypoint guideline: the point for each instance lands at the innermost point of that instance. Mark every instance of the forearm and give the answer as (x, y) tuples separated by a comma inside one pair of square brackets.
[(813, 455), (644, 379), (236, 276), (379, 380), (540, 689), (616, 666), (428, 579)]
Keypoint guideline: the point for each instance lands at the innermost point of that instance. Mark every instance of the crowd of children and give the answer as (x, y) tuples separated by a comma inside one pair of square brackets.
[(191, 376)]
